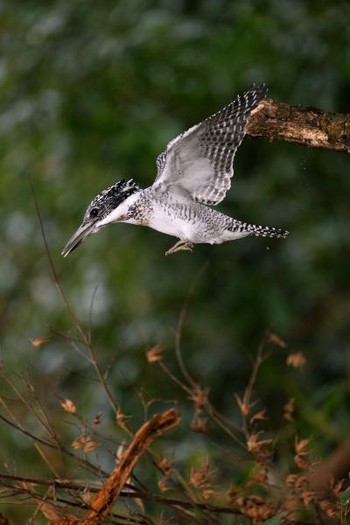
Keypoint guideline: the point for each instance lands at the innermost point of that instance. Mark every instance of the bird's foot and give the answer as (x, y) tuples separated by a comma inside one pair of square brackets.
[(181, 245)]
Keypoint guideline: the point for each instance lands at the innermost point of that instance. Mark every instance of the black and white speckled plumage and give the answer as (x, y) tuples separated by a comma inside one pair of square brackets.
[(194, 171), (109, 199), (190, 220), (209, 149)]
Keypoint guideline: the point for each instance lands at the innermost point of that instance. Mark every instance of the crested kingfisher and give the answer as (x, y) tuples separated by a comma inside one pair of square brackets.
[(194, 173)]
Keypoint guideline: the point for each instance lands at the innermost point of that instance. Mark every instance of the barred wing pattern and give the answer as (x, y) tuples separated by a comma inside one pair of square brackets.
[(198, 163)]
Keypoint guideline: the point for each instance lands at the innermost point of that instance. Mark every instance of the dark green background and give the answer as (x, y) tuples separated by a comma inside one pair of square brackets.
[(91, 92)]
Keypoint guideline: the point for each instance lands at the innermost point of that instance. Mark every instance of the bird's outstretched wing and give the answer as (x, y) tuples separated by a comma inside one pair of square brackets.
[(198, 163)]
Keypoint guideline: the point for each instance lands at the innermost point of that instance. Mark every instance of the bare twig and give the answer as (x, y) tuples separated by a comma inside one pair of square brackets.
[(180, 325), (84, 336)]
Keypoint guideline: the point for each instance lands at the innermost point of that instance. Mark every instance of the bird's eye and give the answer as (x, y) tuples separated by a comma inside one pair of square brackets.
[(94, 212)]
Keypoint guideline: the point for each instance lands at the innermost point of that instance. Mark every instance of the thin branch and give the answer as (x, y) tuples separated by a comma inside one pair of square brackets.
[(174, 503), (79, 329), (85, 337), (300, 124), (180, 325)]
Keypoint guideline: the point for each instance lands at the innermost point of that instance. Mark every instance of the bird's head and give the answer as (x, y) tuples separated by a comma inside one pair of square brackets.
[(104, 209)]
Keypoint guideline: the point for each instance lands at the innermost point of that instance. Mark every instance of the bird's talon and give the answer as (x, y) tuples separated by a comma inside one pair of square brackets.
[(185, 246)]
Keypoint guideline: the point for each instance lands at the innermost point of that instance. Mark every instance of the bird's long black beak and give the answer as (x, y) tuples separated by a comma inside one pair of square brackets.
[(79, 236)]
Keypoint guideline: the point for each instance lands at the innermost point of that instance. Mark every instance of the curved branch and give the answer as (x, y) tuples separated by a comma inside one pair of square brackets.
[(111, 489), (304, 125)]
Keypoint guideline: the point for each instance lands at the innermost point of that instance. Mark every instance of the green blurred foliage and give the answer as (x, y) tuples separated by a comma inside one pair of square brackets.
[(91, 93)]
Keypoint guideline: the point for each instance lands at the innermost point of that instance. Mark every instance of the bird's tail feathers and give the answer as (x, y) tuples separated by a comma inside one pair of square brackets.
[(267, 231), (257, 230)]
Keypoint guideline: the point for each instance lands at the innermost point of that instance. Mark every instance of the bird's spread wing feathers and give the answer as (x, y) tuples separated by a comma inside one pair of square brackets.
[(198, 163)]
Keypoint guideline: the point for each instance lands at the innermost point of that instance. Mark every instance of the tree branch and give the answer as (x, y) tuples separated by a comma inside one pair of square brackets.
[(111, 489), (304, 125)]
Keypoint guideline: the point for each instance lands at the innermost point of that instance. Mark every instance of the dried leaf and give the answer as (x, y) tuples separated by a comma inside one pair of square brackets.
[(121, 419), (308, 497), (154, 354), (86, 496), (98, 418), (163, 484), (259, 477), (85, 443), (243, 406), (68, 406), (291, 479), (256, 508), (199, 396), (288, 410), (337, 487), (79, 442), (331, 508), (296, 360), (301, 482), (201, 479), (259, 416), (277, 340), (199, 425), (302, 446), (258, 446), (208, 493), (166, 466), (89, 445), (39, 341)]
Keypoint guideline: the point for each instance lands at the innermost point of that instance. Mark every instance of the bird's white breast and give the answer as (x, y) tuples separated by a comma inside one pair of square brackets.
[(166, 221)]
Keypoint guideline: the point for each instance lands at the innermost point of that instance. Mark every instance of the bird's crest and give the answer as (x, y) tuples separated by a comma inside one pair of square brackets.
[(110, 199)]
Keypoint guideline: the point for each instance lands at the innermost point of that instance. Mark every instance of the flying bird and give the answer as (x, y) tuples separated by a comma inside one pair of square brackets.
[(194, 174)]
